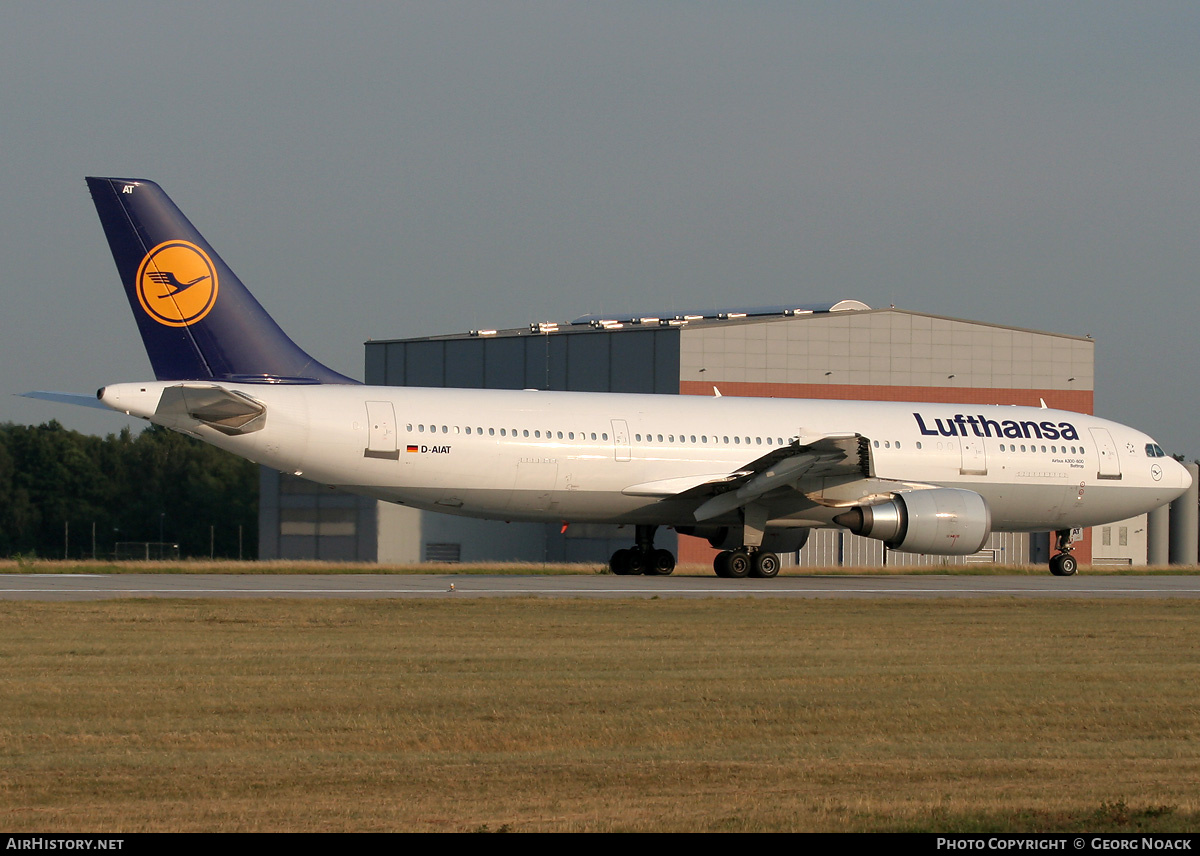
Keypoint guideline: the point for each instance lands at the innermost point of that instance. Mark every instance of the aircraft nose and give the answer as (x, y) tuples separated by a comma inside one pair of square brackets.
[(1185, 476)]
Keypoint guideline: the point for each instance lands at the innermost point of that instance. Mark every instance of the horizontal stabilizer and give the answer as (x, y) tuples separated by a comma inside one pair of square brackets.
[(77, 398)]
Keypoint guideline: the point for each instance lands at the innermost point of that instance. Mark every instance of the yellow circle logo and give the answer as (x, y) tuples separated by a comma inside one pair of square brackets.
[(177, 283)]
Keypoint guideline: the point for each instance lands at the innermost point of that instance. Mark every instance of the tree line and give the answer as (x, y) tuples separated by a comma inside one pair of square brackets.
[(61, 489)]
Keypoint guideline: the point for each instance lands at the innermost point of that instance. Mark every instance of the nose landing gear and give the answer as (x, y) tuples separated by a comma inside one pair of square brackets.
[(1063, 564)]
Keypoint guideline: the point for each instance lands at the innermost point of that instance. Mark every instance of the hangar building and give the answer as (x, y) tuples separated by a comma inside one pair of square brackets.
[(835, 350)]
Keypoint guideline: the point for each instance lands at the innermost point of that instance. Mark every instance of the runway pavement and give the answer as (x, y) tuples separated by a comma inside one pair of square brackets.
[(67, 587)]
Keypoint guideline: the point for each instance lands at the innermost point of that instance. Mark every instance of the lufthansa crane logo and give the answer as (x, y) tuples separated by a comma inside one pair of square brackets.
[(177, 283)]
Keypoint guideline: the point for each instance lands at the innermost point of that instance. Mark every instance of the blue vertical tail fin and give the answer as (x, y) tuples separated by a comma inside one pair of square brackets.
[(197, 320)]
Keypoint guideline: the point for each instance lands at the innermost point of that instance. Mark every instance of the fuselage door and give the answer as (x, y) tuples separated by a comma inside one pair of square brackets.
[(534, 487), (974, 457), (621, 439), (1110, 465), (381, 431)]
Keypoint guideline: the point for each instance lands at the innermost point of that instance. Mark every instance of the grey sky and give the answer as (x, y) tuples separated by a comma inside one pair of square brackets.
[(400, 169)]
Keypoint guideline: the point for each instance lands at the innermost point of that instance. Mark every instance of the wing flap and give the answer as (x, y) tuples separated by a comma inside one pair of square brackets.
[(786, 471), (807, 457), (676, 486)]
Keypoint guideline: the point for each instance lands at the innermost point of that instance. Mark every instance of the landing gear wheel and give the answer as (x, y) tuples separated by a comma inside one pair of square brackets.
[(739, 564), (764, 565), (1063, 565), (639, 562), (619, 564), (721, 564), (661, 564)]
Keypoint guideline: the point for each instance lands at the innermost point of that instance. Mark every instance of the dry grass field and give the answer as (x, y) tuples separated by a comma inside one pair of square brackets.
[(547, 715)]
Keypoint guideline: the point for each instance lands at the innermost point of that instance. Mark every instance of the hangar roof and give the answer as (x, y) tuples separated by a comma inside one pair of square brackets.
[(711, 318)]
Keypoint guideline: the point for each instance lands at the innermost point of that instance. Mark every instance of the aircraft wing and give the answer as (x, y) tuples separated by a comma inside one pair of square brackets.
[(806, 457)]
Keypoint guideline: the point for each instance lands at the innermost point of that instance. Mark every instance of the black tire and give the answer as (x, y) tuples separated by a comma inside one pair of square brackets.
[(619, 563), (721, 564), (739, 564), (765, 565), (662, 563), (1064, 565)]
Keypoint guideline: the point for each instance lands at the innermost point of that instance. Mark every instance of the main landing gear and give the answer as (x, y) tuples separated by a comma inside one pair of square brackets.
[(643, 558), (1063, 564), (746, 561)]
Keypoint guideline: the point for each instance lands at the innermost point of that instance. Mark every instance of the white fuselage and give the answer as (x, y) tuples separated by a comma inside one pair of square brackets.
[(603, 457)]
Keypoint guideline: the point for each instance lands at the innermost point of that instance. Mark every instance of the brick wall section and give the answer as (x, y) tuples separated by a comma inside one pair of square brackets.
[(1080, 401)]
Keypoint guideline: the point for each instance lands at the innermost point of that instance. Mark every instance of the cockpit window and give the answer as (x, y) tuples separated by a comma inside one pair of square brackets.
[(1153, 450)]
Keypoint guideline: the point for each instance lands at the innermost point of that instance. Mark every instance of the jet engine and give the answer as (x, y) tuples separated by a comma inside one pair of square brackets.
[(943, 521)]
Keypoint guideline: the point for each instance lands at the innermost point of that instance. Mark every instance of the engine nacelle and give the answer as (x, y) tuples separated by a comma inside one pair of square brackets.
[(730, 537), (943, 521)]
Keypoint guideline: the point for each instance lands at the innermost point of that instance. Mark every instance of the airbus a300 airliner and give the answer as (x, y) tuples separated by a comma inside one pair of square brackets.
[(753, 476)]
